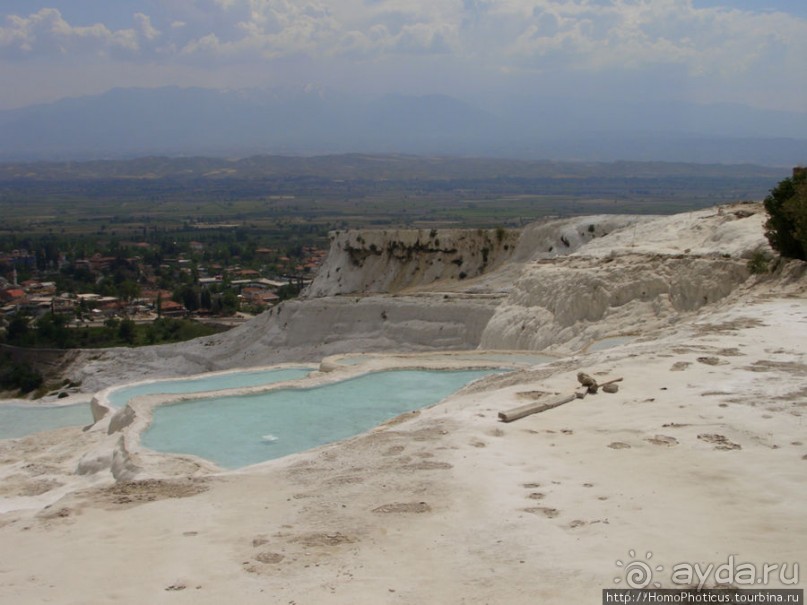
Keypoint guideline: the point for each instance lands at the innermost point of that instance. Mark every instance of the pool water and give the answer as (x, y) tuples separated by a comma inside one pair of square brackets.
[(21, 420), (233, 380), (236, 431)]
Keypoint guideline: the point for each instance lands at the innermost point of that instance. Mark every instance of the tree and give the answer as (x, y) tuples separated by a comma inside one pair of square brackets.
[(18, 375), (127, 331), (229, 303), (287, 291), (52, 331), (786, 228), (205, 300), (18, 329), (128, 290), (188, 296), (797, 207)]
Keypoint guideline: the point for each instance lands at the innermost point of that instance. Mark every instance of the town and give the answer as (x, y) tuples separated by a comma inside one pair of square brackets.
[(137, 283)]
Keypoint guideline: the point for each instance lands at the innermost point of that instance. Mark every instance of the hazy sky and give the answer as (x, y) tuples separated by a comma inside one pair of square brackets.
[(751, 51)]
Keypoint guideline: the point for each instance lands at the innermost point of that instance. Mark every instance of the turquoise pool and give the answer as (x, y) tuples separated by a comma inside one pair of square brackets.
[(234, 380), (21, 420), (238, 431)]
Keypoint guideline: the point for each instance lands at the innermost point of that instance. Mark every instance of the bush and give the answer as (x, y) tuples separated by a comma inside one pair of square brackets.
[(759, 262), (786, 228), (127, 331), (18, 375), (18, 330)]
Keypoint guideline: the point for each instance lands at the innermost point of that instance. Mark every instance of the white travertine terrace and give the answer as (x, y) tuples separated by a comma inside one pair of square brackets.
[(699, 456)]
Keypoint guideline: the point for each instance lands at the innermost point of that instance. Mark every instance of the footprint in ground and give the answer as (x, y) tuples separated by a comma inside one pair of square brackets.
[(404, 507), (619, 445), (721, 442), (270, 558), (663, 440), (551, 513)]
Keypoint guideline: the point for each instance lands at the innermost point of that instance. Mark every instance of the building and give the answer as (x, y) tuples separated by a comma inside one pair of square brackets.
[(12, 295), (259, 297), (169, 308)]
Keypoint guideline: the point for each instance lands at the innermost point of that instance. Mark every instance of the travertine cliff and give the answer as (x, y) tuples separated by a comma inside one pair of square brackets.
[(392, 260), (555, 285)]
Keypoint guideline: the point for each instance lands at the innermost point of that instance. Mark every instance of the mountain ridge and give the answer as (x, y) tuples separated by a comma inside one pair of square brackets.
[(129, 122)]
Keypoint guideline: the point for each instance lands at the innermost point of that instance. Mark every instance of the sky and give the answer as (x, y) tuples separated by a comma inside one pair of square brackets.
[(704, 51)]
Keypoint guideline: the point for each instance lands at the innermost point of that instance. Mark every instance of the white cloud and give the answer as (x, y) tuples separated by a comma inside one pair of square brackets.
[(274, 28), (640, 33), (723, 46), (591, 34), (147, 30), (46, 32)]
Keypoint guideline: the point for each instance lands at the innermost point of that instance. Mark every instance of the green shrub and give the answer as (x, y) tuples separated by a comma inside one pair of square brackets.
[(759, 262), (786, 228), (127, 331), (18, 375)]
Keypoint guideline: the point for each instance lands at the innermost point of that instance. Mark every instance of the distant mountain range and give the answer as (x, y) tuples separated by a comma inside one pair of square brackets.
[(174, 121)]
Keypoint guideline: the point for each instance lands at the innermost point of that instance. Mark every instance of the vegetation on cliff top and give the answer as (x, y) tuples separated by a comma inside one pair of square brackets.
[(786, 228)]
